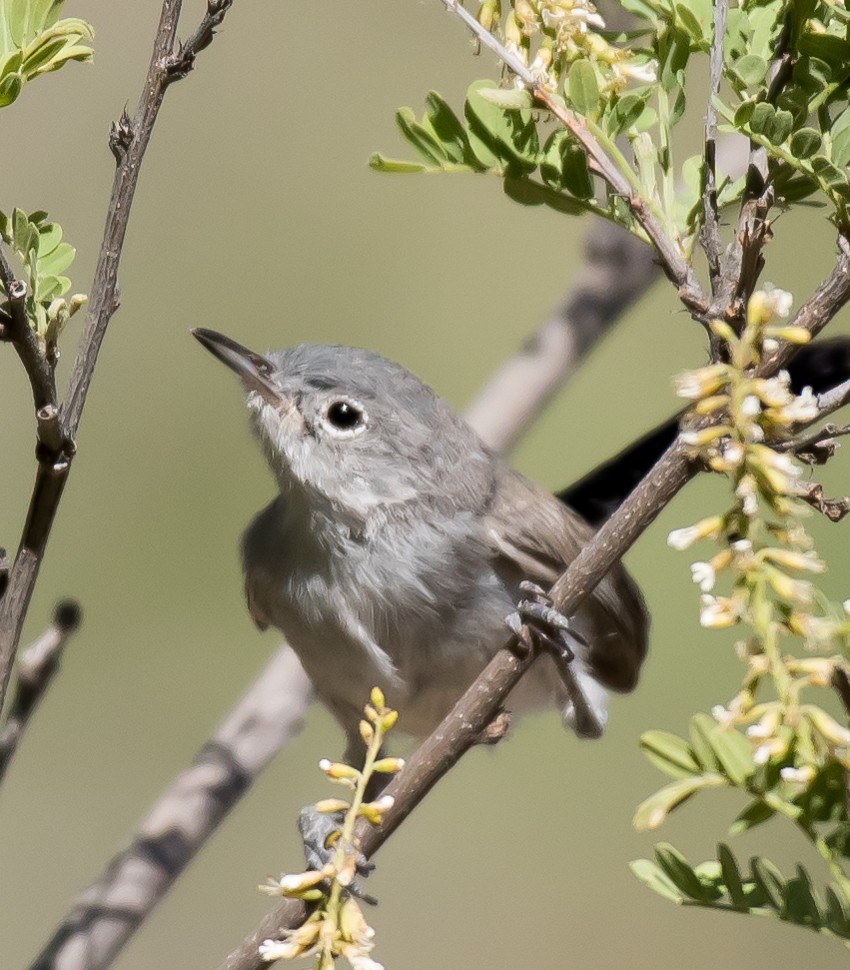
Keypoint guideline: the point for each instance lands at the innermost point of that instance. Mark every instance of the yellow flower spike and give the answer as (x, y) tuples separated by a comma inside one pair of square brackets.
[(328, 805), (705, 436), (388, 766), (704, 382), (827, 726), (758, 309), (708, 405), (722, 329), (795, 590), (377, 698), (818, 670), (512, 31), (708, 528), (367, 732), (352, 923), (371, 713), (794, 335), (789, 559), (388, 720), (338, 771), (718, 612), (525, 13), (297, 885)]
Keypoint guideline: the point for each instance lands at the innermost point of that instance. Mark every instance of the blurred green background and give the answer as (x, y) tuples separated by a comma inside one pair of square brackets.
[(256, 215)]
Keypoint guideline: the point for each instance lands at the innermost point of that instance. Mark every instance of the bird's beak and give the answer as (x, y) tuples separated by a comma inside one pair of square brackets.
[(254, 370)]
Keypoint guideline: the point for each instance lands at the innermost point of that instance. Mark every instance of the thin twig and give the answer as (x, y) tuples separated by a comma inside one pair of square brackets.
[(52, 472), (617, 269), (106, 915), (671, 258), (17, 329), (710, 230), (834, 399), (36, 668)]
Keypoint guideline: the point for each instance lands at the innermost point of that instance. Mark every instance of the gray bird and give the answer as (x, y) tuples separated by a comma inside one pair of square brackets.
[(397, 545)]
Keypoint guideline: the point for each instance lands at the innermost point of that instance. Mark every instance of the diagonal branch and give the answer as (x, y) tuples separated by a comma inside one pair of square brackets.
[(129, 141), (36, 669)]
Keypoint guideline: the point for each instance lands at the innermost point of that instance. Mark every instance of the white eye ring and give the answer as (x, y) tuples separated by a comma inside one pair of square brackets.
[(344, 417)]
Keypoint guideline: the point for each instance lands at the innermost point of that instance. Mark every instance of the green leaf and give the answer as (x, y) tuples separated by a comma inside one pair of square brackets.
[(448, 128), (49, 287), (652, 811), (699, 730), (805, 142), (10, 88), (50, 235), (674, 865), (834, 177), (769, 879), (733, 752), (669, 753), (575, 175), (801, 903), (656, 879), (731, 876), (382, 164), (751, 70), (527, 192), (754, 814), (583, 89), (421, 140), (511, 99), (501, 138), (692, 26), (625, 113), (57, 261), (837, 911)]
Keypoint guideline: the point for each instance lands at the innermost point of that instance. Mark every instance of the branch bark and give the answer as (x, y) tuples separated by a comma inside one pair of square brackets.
[(128, 142), (36, 669)]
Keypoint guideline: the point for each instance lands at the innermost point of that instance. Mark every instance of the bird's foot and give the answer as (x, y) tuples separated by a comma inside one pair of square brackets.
[(536, 617), (319, 830)]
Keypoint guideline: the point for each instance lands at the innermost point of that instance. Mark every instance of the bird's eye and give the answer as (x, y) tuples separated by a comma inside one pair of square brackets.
[(345, 416)]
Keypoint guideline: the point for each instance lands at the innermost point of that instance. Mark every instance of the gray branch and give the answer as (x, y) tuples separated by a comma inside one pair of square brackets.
[(36, 668)]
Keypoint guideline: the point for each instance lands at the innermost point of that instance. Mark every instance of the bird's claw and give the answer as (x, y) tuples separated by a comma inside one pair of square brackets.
[(316, 830)]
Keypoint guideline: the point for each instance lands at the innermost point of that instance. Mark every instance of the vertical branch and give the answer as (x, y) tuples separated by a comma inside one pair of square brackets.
[(128, 140), (710, 230)]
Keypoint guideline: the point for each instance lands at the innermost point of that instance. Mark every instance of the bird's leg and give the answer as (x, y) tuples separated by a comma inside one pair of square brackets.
[(536, 615)]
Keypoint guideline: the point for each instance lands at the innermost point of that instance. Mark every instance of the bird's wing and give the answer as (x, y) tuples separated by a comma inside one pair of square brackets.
[(533, 536)]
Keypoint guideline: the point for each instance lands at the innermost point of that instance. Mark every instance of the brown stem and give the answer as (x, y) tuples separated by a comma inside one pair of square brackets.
[(36, 669), (129, 140)]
